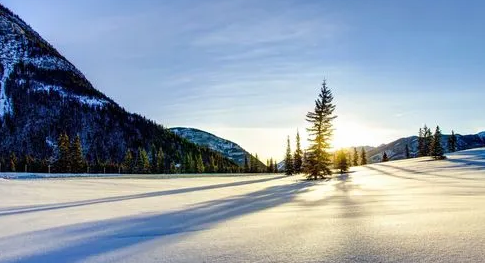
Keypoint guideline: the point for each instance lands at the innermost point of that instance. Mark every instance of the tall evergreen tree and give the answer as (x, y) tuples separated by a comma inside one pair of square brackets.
[(288, 159), (63, 164), (407, 153), (452, 142), (385, 158), (341, 162), (76, 156), (363, 156), (320, 134), (298, 156), (436, 147), (275, 167), (355, 160)]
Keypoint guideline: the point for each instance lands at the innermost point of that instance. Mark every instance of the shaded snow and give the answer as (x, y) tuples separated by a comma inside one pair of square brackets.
[(414, 210)]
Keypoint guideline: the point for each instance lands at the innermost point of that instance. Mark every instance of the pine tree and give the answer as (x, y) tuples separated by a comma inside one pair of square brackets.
[(246, 164), (363, 156), (76, 156), (421, 147), (384, 157), (355, 161), (341, 162), (212, 165), (128, 162), (436, 147), (256, 164), (199, 164), (452, 142), (428, 140), (153, 159), (253, 164), (142, 161), (288, 159), (298, 156), (406, 150), (275, 167), (271, 166), (13, 162), (320, 133), (160, 163), (63, 163)]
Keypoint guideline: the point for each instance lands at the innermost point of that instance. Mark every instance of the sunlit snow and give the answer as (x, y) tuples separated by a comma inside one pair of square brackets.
[(417, 210)]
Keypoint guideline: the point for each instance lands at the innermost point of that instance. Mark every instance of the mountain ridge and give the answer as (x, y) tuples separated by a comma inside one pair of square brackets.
[(43, 95)]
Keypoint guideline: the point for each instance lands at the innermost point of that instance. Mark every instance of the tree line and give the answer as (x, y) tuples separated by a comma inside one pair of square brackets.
[(69, 158)]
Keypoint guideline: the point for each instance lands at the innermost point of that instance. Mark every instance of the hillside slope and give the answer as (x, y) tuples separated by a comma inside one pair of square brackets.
[(43, 95), (228, 148)]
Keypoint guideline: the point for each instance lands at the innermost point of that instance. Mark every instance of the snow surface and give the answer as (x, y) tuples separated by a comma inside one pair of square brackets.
[(416, 210)]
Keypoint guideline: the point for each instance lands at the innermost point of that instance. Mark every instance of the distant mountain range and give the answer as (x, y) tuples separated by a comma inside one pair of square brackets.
[(228, 148), (396, 149)]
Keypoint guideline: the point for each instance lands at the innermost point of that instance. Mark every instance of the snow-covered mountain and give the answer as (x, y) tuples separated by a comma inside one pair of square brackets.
[(396, 149), (228, 148), (42, 95)]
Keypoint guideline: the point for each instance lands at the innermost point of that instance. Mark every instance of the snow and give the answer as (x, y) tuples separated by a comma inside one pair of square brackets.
[(37, 86), (415, 210), (13, 49)]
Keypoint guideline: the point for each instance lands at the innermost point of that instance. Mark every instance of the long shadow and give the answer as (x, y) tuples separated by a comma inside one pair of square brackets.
[(82, 241), (32, 209), (477, 165), (397, 176), (428, 173)]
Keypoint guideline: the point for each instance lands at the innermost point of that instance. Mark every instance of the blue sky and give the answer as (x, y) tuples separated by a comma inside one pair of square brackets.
[(250, 70)]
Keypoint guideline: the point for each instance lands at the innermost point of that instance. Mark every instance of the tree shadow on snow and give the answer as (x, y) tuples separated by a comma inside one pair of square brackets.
[(92, 239), (40, 208)]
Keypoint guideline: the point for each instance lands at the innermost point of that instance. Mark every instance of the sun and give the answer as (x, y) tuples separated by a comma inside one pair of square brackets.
[(347, 134)]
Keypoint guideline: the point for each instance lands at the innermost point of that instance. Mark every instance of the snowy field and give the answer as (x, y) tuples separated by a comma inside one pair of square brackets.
[(406, 211)]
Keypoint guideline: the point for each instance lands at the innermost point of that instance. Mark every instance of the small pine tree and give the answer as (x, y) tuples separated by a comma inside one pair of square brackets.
[(13, 162), (428, 140), (153, 159), (275, 167), (63, 163), (247, 169), (288, 159), (199, 164), (128, 162), (355, 160), (436, 147), (406, 152), (363, 156), (298, 156), (384, 157), (452, 142), (142, 162), (76, 156), (341, 162), (421, 147), (160, 163)]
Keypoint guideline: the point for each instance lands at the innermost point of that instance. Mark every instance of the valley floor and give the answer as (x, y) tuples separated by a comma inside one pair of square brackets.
[(406, 211)]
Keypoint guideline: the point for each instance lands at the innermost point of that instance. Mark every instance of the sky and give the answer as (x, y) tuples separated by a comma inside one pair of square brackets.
[(250, 70)]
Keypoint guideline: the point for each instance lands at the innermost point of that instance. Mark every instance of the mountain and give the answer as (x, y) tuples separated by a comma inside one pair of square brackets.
[(43, 95), (396, 149), (229, 149)]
